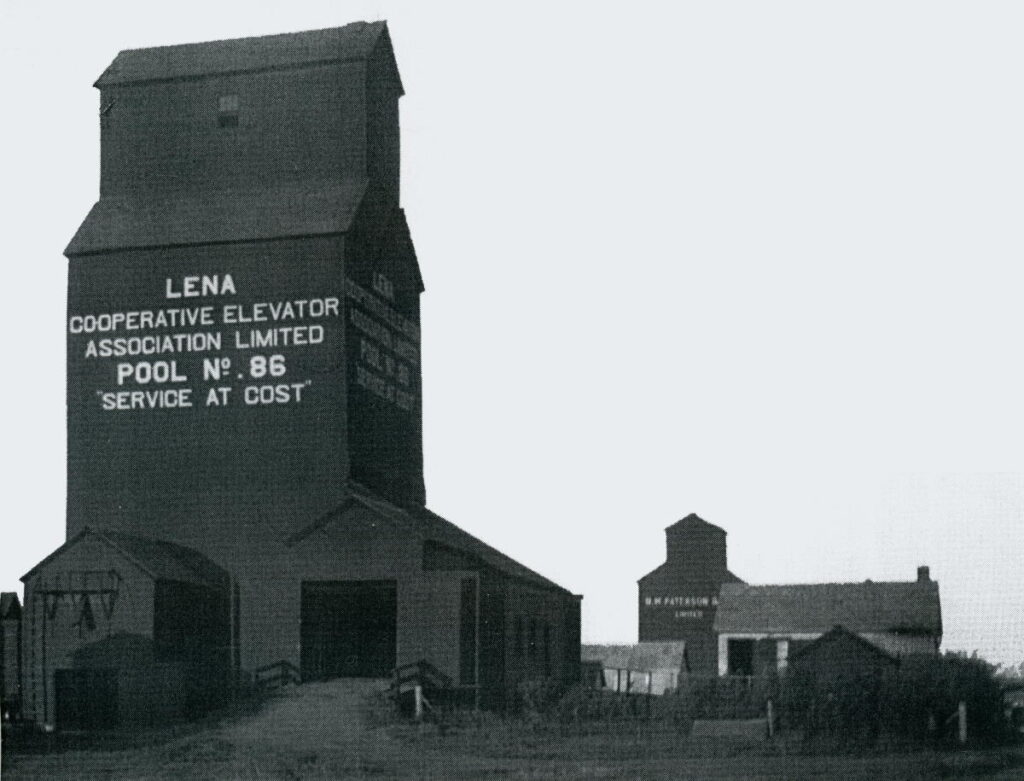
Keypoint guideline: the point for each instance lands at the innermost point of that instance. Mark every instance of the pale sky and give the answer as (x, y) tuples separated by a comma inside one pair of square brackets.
[(758, 261)]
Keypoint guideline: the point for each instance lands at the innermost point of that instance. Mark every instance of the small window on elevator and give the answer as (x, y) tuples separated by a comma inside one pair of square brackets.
[(227, 111)]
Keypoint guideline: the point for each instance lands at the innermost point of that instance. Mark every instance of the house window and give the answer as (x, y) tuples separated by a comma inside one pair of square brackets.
[(227, 111)]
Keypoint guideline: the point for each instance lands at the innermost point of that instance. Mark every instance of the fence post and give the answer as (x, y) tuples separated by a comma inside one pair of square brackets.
[(418, 693), (771, 719), (962, 722)]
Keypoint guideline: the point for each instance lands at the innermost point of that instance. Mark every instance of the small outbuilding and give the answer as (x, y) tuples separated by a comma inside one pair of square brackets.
[(643, 668), (124, 629), (835, 684), (838, 653)]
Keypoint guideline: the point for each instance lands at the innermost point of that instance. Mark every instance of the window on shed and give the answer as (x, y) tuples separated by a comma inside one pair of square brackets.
[(227, 111)]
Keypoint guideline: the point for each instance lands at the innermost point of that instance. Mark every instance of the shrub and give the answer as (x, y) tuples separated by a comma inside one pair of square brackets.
[(730, 697), (927, 691), (537, 698), (914, 701)]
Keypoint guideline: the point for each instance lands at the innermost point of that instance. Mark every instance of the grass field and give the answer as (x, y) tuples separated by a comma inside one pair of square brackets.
[(329, 730)]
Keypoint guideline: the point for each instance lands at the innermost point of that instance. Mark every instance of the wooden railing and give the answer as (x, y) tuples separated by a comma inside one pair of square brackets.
[(275, 675), (421, 673), (419, 679)]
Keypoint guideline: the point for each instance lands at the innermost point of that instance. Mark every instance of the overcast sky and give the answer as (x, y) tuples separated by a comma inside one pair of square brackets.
[(758, 261)]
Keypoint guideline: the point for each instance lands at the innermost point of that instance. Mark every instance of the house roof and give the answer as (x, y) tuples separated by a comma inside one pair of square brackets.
[(840, 634), (895, 607), (159, 559), (352, 42), (10, 607), (642, 657), (125, 223)]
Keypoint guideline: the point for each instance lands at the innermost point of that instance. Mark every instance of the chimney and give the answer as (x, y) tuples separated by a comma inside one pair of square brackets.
[(923, 575)]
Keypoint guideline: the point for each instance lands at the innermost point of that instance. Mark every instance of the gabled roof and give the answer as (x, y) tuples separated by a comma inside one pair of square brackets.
[(899, 607), (431, 528), (694, 521), (641, 657), (354, 41), (10, 607), (214, 217), (444, 531), (841, 634), (160, 560)]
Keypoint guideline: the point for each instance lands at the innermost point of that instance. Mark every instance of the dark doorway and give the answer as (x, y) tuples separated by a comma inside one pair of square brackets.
[(348, 628), (741, 657), (86, 698)]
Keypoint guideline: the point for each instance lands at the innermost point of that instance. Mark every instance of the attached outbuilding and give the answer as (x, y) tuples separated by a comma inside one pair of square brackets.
[(123, 629)]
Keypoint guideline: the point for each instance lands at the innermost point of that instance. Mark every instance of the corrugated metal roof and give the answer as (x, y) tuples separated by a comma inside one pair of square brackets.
[(9, 605), (899, 607), (352, 42), (642, 657), (160, 560), (121, 223)]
